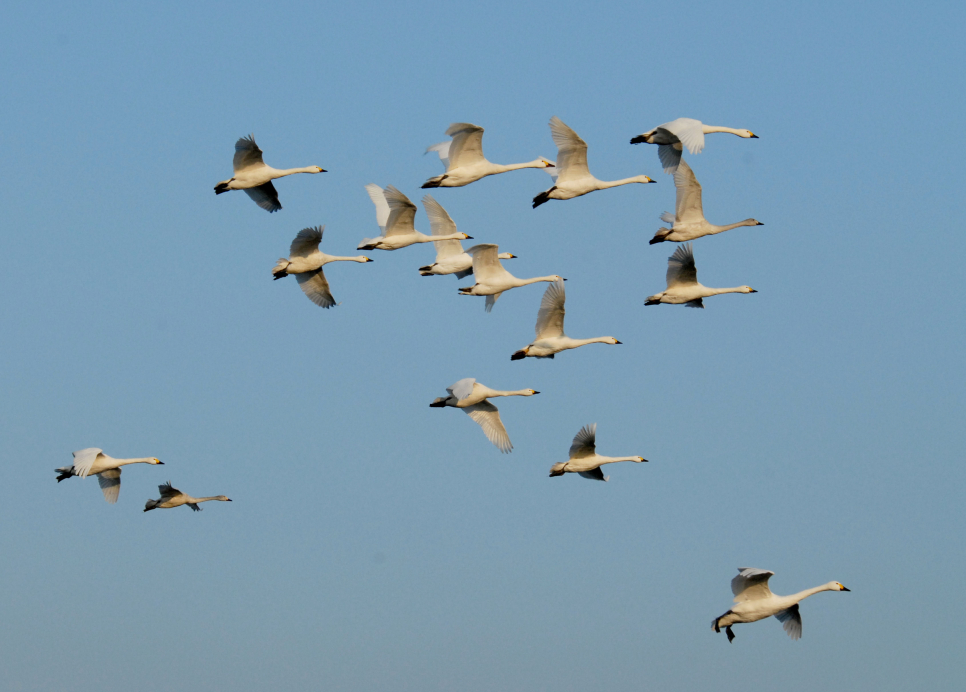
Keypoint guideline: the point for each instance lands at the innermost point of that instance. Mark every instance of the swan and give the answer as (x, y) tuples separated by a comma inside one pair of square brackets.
[(172, 497), (93, 461), (306, 261), (756, 602), (464, 161), (450, 258), (682, 282), (572, 178), (254, 177), (550, 335), (687, 221), (395, 215), (672, 137), (491, 278), (584, 459), (471, 396)]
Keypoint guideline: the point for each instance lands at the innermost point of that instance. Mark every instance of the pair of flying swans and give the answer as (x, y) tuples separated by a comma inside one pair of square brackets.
[(396, 217), (463, 157), (252, 175), (305, 261), (584, 459), (687, 221), (755, 601), (672, 137), (471, 396), (172, 497), (682, 282), (93, 461), (550, 324), (491, 278), (571, 176), (450, 258)]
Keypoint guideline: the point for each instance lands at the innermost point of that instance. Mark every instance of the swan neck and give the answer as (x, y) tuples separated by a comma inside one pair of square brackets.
[(802, 595), (708, 129), (281, 173), (333, 258), (611, 460), (138, 460), (537, 279), (719, 291), (604, 184)]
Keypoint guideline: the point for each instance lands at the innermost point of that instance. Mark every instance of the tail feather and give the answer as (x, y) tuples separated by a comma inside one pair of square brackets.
[(281, 269), (150, 504)]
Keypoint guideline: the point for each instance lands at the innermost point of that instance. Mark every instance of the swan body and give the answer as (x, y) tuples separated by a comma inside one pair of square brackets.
[(491, 278), (450, 258), (471, 396), (672, 137), (255, 178), (305, 261), (550, 323), (464, 160), (93, 462), (572, 178), (396, 216), (172, 497), (755, 601), (687, 221), (682, 282), (584, 459)]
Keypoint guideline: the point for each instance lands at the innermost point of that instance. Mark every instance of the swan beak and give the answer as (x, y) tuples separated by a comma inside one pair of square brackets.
[(651, 180), (322, 170), (643, 459), (617, 342), (228, 499), (512, 256), (469, 237), (754, 136), (161, 462), (844, 589), (760, 223), (535, 392), (369, 259), (754, 291), (564, 279)]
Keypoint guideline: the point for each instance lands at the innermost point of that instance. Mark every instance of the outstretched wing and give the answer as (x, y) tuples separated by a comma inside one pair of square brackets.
[(687, 207), (84, 459), (462, 389), (680, 267), (550, 317), (594, 474), (442, 149), (306, 242), (316, 288), (402, 213), (467, 146), (486, 262), (265, 196), (585, 442), (571, 152), (791, 621), (168, 491), (487, 417), (689, 131), (194, 507), (382, 206), (670, 155), (247, 154), (110, 482), (440, 223), (751, 584)]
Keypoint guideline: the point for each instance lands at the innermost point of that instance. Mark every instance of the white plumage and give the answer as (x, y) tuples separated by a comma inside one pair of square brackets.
[(396, 216), (584, 459), (471, 396), (491, 278), (450, 258), (682, 282), (254, 177), (305, 261), (93, 462), (673, 136)]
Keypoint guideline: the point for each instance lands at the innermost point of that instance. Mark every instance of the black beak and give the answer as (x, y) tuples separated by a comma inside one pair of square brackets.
[(369, 259), (754, 136), (535, 392), (469, 237), (564, 279), (754, 291), (229, 499), (844, 589), (323, 171), (619, 342), (760, 223), (645, 460), (160, 463)]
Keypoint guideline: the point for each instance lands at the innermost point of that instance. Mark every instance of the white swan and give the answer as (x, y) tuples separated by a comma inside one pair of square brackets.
[(396, 215), (306, 261), (687, 221), (254, 177), (464, 160), (584, 459), (683, 132), (450, 258), (93, 461), (550, 328), (172, 497), (682, 282), (756, 602), (573, 178), (491, 278), (471, 396)]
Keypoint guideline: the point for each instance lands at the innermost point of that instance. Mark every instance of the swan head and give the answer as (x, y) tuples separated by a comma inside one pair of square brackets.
[(639, 459), (466, 237), (611, 340), (155, 460), (754, 222), (506, 255), (747, 134), (366, 259), (317, 169), (223, 498), (554, 278), (747, 289), (837, 586), (531, 392), (547, 163), (646, 179)]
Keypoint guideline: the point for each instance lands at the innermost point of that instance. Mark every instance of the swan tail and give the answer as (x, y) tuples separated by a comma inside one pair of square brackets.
[(543, 197), (640, 139), (438, 402), (519, 355), (281, 269), (150, 504), (434, 182), (557, 470), (64, 472), (653, 300)]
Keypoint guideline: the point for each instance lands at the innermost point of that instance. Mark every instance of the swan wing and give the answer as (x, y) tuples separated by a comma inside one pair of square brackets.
[(462, 389), (467, 145), (550, 317), (670, 156), (84, 460), (194, 507), (585, 442), (680, 267), (440, 223), (247, 154), (265, 196), (594, 474), (442, 149), (571, 152), (316, 288), (306, 242), (689, 131), (168, 491), (491, 300), (378, 198), (110, 482), (487, 417), (751, 584), (402, 213), (688, 207), (486, 262), (791, 621)]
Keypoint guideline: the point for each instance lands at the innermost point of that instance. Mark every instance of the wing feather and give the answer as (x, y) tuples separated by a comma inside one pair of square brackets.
[(751, 584), (594, 474), (247, 154), (440, 223), (462, 389), (378, 198), (688, 207), (84, 459), (791, 621), (110, 482), (550, 317), (680, 267), (306, 242), (487, 417), (402, 213), (265, 196), (585, 442), (316, 288), (467, 145), (571, 161), (689, 131)]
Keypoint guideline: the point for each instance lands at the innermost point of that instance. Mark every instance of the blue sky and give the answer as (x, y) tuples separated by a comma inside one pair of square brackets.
[(814, 428)]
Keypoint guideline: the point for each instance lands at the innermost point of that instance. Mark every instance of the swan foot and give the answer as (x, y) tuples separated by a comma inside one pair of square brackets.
[(434, 182), (543, 197), (221, 187), (652, 302), (731, 635), (519, 355), (640, 139)]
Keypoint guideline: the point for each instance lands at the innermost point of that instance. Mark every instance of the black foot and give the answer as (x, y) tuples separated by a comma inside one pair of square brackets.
[(639, 140), (731, 635)]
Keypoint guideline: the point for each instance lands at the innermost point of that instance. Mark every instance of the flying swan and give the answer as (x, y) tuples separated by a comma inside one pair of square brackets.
[(471, 396), (684, 132), (396, 215), (584, 459), (682, 282), (491, 278), (464, 161), (687, 221), (450, 258), (93, 461), (306, 261), (550, 324), (756, 602), (571, 175), (254, 177), (172, 497)]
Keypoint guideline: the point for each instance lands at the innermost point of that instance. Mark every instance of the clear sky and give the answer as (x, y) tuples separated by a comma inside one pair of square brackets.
[(814, 428)]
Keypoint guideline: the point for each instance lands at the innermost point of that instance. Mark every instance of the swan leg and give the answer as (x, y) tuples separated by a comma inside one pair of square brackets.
[(543, 197), (731, 635)]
